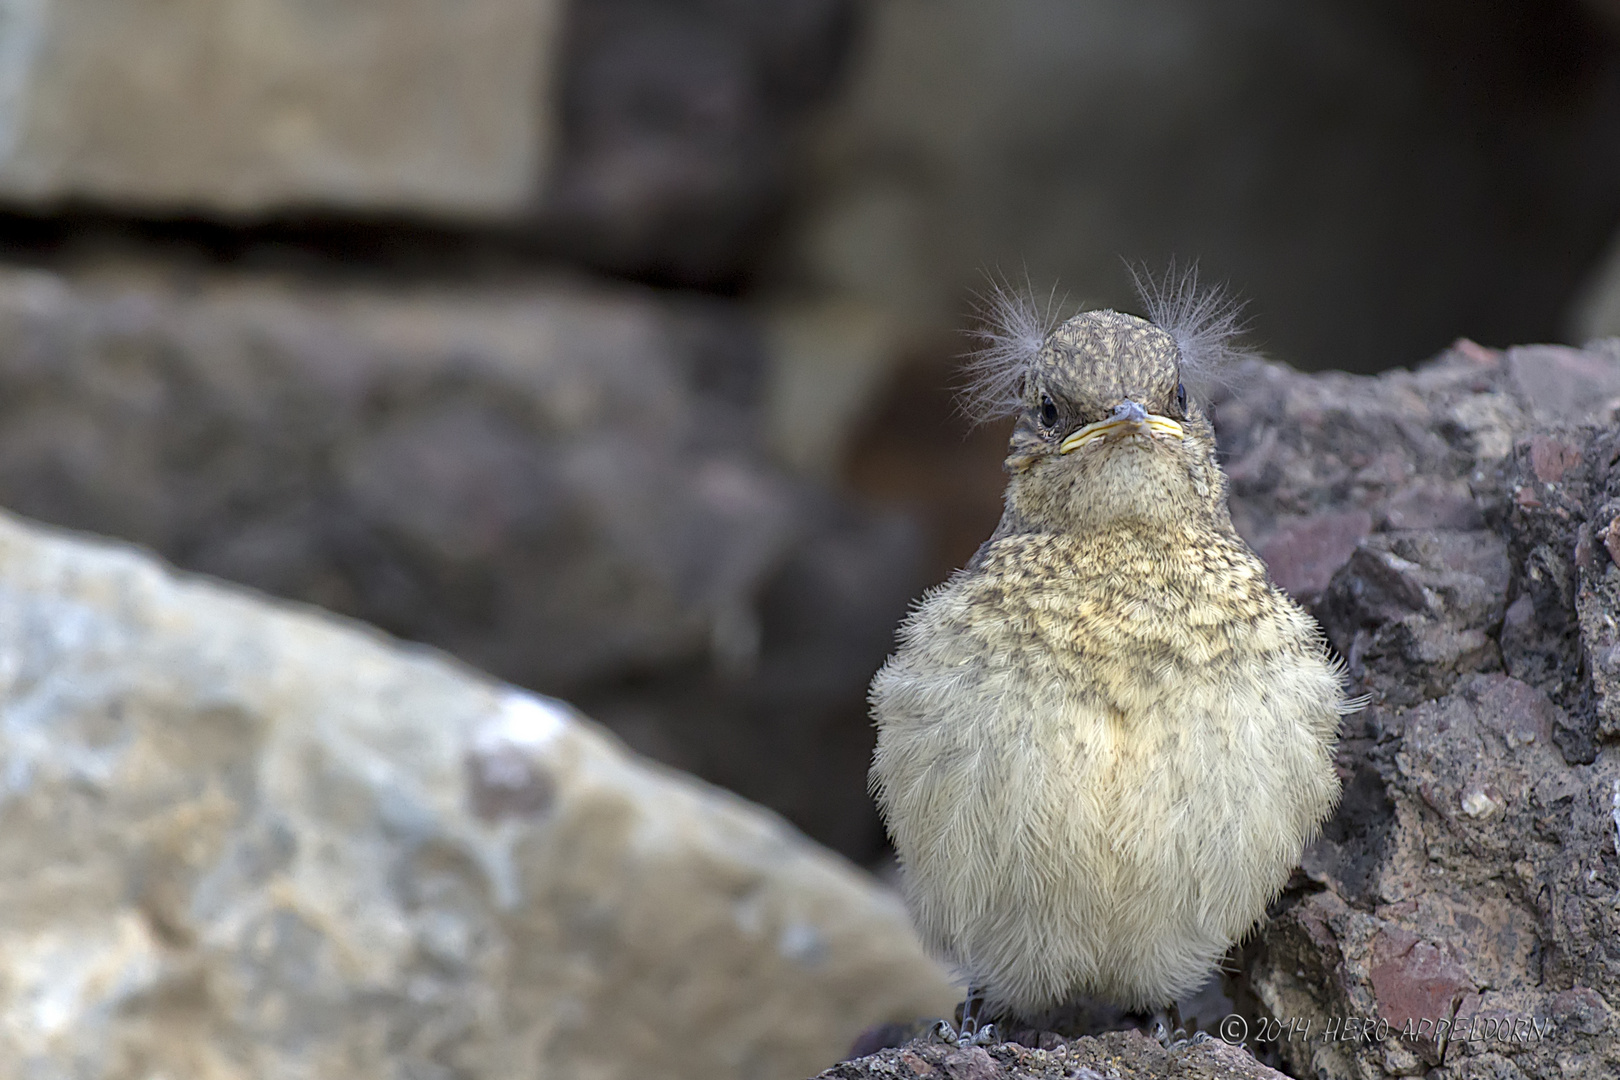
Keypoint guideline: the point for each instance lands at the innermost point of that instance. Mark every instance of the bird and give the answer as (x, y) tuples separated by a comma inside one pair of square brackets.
[(1103, 744)]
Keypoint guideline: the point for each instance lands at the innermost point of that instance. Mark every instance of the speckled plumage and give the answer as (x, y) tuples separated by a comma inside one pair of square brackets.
[(1103, 744)]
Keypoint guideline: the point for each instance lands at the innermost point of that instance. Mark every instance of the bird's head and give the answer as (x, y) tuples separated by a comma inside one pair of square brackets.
[(1106, 431)]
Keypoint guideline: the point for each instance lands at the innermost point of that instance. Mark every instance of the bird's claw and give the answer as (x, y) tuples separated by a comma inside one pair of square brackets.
[(970, 1034), (1177, 1039)]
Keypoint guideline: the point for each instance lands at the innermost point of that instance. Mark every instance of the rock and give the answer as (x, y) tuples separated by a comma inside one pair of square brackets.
[(656, 139), (531, 479), (246, 840), (1315, 463), (562, 485), (1489, 903), (1409, 610), (1458, 918), (1303, 554), (1561, 383), (1404, 444), (680, 127), (252, 107), (1120, 1055)]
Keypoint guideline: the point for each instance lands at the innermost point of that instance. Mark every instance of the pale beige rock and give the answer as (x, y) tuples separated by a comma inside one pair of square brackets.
[(239, 839), (252, 106)]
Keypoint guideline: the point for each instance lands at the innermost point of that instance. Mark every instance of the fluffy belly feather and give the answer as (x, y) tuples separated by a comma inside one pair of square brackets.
[(1054, 848)]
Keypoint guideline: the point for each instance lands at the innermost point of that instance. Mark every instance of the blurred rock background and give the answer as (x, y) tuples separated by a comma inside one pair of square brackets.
[(607, 344)]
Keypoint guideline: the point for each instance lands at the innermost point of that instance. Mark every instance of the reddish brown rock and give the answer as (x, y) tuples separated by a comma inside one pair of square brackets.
[(1303, 555), (1412, 979), (1581, 1009), (1460, 919), (1551, 458)]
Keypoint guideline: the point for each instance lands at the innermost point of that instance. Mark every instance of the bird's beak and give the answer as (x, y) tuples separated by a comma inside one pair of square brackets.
[(1129, 418)]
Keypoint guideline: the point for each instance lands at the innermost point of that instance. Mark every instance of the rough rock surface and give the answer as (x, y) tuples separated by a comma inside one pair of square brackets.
[(1120, 1055), (251, 106), (239, 840), (561, 485), (1451, 527)]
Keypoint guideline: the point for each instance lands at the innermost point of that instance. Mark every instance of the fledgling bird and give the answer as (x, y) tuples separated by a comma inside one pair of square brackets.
[(1103, 744)]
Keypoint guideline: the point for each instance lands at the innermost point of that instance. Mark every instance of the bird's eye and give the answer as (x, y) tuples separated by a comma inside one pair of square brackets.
[(1181, 398), (1048, 412)]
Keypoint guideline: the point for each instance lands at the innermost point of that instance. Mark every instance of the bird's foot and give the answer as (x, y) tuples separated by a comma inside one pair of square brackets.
[(970, 1033), (1168, 1032), (1179, 1039), (970, 1029)]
